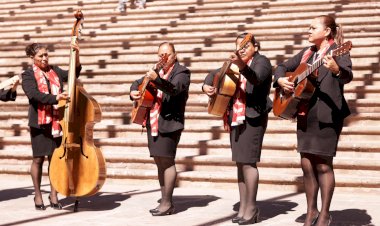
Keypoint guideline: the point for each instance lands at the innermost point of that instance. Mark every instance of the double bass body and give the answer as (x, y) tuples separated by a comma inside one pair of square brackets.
[(77, 166)]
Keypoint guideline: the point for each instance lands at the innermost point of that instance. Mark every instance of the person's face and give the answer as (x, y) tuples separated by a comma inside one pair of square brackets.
[(41, 59), (247, 51), (317, 31), (172, 56)]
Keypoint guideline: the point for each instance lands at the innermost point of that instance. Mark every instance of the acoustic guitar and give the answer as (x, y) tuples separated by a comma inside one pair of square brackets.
[(148, 91), (285, 105), (225, 82)]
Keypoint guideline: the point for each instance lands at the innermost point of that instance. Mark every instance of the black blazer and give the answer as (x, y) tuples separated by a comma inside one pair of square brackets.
[(259, 79), (6, 95), (30, 87), (330, 101), (175, 94)]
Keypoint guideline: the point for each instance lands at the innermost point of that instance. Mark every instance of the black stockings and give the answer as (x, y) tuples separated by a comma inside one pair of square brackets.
[(36, 173), (167, 176), (248, 181), (318, 173)]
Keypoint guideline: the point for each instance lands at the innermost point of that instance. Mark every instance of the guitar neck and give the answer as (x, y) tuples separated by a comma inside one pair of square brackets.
[(310, 69)]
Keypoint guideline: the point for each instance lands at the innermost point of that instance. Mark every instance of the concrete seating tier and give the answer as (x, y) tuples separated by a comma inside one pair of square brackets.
[(118, 48)]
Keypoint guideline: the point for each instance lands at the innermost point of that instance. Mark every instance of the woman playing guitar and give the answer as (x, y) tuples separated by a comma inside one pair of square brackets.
[(320, 120), (246, 119), (165, 120)]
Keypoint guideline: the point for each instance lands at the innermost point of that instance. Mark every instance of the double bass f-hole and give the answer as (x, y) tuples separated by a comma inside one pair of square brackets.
[(73, 146)]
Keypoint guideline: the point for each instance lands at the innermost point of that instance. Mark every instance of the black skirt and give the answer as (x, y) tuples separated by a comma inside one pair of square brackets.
[(163, 145), (247, 139), (43, 142), (315, 137)]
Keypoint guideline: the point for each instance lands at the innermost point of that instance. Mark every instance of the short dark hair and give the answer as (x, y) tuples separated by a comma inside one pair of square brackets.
[(32, 49)]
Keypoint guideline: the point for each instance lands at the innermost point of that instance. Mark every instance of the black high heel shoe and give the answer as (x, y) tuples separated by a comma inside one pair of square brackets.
[(254, 219), (166, 212), (56, 206), (153, 210), (39, 207), (236, 219)]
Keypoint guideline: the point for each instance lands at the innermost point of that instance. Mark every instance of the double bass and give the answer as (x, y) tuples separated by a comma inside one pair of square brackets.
[(77, 166), (225, 82)]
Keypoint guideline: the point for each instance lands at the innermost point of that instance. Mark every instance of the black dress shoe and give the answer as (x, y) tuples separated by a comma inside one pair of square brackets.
[(56, 206), (236, 219), (166, 212), (39, 207), (153, 210), (254, 219)]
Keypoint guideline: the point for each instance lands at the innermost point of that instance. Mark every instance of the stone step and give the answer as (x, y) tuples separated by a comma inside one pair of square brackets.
[(267, 176)]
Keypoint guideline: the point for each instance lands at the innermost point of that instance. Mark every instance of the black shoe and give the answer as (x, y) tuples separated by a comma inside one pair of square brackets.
[(252, 220), (236, 219), (39, 207), (56, 206), (167, 212), (153, 210)]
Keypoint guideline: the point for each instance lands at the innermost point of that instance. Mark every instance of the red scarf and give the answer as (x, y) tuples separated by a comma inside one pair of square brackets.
[(156, 109), (322, 52), (239, 104), (48, 113)]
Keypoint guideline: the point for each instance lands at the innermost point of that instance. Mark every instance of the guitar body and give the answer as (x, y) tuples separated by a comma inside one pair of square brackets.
[(77, 166), (142, 106), (285, 105), (225, 81)]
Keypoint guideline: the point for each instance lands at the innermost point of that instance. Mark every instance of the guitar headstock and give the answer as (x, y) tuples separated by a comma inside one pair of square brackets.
[(247, 38), (161, 63), (342, 49)]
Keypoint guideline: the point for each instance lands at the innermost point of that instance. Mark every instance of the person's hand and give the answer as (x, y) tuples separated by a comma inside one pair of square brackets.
[(15, 82), (285, 84), (135, 94), (330, 63), (236, 59), (209, 90), (75, 46), (151, 75), (62, 96)]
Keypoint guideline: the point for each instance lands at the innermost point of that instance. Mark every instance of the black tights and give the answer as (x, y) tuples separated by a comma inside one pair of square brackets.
[(248, 181), (36, 173), (318, 173), (167, 176)]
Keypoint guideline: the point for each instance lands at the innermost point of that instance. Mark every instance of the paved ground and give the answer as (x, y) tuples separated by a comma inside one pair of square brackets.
[(126, 202)]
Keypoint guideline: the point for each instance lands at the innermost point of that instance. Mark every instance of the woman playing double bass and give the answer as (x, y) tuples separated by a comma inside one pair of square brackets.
[(43, 85)]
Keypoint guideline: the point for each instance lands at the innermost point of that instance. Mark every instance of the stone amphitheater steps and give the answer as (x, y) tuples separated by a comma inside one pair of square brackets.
[(119, 47)]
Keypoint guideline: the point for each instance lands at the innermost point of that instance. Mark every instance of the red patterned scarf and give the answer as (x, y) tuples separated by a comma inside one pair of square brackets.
[(156, 109), (48, 113), (239, 104)]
